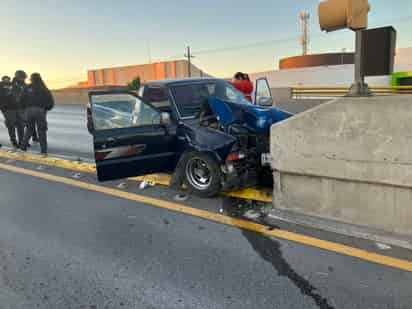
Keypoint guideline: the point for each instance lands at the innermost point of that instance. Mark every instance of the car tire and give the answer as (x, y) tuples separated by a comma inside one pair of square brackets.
[(202, 175)]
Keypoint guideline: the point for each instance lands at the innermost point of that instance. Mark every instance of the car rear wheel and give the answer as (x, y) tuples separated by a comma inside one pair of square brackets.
[(202, 175)]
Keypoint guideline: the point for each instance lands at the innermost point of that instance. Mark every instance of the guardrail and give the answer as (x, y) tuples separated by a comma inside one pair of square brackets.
[(332, 92)]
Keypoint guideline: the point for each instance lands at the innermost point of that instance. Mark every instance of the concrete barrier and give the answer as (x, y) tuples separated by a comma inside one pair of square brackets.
[(78, 95), (348, 160), (283, 99), (71, 96)]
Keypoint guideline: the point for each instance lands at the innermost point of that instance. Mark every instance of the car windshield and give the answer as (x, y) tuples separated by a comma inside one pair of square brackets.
[(190, 98)]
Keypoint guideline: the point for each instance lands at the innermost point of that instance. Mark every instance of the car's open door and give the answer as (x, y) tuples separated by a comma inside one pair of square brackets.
[(263, 94), (131, 137)]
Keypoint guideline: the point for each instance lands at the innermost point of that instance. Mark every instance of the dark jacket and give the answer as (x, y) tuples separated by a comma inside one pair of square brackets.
[(19, 95), (41, 98), (5, 97)]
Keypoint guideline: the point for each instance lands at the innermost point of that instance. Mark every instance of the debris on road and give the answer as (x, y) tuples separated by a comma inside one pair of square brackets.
[(252, 214), (382, 246), (181, 197), (41, 168), (77, 175), (122, 185), (145, 184), (240, 208)]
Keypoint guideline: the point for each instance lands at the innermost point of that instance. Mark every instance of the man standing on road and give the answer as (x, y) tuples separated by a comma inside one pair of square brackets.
[(39, 102), (8, 109), (19, 95)]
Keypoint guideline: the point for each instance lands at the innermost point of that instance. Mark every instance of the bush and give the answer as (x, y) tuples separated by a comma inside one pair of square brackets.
[(134, 85)]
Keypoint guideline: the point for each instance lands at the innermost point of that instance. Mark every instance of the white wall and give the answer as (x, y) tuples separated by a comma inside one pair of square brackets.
[(339, 75)]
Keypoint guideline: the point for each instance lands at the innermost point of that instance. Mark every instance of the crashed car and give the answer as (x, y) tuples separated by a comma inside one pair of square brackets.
[(203, 131)]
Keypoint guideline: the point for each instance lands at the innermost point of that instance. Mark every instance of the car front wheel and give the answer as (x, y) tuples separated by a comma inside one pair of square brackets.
[(202, 175)]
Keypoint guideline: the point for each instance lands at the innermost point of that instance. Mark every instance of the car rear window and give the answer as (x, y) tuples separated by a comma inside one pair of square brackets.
[(158, 97), (190, 98)]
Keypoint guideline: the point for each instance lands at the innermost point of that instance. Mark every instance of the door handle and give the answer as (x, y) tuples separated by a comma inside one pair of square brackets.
[(109, 142)]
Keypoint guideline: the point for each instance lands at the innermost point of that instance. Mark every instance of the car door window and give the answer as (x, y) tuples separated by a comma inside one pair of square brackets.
[(263, 95), (115, 111)]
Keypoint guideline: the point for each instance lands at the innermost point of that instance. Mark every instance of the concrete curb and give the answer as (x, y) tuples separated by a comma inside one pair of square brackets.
[(341, 228)]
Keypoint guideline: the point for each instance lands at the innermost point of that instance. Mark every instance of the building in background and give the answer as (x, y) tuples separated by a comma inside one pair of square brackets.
[(121, 76)]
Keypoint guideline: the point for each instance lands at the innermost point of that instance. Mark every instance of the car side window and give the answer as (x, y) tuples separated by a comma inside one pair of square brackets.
[(158, 97), (115, 111), (263, 95)]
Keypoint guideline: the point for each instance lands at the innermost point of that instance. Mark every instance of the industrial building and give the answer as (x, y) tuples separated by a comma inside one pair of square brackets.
[(121, 76)]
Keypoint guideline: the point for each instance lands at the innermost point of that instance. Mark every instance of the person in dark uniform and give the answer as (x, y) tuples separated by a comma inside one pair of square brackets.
[(39, 102), (19, 95), (8, 109), (5, 98)]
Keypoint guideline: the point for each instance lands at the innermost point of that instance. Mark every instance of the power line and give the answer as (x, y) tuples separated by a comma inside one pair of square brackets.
[(249, 45)]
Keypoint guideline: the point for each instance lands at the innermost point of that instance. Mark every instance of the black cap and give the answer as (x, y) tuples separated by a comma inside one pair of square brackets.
[(5, 77), (20, 74)]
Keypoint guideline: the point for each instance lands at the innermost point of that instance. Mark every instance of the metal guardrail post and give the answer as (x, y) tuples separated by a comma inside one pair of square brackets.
[(359, 88)]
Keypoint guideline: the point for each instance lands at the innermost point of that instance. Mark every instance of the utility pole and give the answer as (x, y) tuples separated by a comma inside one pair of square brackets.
[(304, 17), (189, 57)]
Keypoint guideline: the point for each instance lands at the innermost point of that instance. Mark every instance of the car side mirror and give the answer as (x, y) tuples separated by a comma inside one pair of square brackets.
[(165, 119), (265, 101)]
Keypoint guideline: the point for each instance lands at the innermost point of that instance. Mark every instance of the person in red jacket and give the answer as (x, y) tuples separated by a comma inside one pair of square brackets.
[(242, 83)]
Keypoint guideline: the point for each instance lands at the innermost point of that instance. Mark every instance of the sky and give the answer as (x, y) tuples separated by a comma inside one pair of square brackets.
[(62, 39)]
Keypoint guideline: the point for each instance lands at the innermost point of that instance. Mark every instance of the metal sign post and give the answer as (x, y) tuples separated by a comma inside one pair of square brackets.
[(359, 88)]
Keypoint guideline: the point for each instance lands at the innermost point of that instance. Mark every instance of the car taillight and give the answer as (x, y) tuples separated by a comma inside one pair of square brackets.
[(235, 156)]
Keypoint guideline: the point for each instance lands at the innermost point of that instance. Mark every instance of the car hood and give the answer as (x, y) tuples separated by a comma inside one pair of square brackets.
[(203, 139), (255, 118)]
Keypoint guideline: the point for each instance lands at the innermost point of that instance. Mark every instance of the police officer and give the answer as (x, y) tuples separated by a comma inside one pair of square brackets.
[(8, 109), (39, 102), (19, 95)]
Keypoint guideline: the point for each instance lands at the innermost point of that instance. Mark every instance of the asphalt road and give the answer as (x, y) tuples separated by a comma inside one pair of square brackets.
[(65, 247), (67, 133)]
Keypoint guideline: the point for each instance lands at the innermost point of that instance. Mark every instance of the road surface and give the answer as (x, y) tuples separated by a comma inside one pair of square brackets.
[(63, 246)]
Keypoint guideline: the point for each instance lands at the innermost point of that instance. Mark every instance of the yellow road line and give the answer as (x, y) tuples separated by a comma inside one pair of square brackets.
[(243, 224), (160, 179)]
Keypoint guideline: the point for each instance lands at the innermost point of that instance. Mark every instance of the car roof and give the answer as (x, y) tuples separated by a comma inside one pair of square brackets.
[(172, 82)]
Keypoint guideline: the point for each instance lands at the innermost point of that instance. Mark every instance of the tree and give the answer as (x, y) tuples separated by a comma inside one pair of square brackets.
[(134, 85)]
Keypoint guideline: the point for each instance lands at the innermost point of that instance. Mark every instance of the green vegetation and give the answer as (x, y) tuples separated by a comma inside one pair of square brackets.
[(134, 85)]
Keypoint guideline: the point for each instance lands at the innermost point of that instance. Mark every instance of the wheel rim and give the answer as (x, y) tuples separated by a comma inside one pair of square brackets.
[(198, 173)]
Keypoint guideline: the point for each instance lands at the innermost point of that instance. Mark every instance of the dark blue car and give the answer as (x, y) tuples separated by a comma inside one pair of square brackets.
[(203, 131)]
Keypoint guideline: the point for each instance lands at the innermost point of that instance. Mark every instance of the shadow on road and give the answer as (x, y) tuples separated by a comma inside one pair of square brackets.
[(270, 250)]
